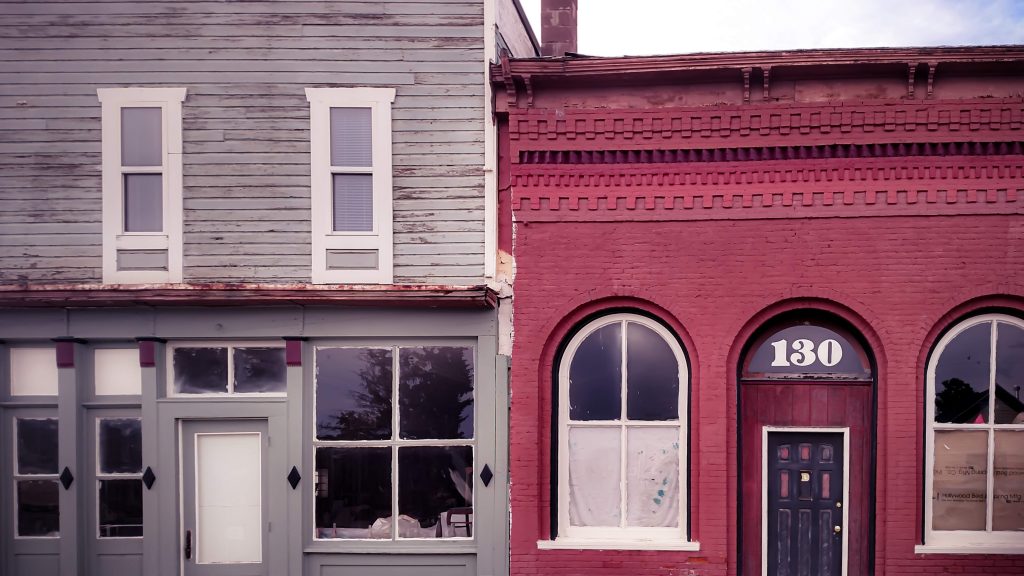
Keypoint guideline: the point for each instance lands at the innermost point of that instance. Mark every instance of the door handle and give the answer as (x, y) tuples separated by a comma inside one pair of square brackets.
[(837, 529), (188, 544)]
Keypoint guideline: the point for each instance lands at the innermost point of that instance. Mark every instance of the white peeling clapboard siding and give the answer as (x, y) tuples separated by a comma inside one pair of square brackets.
[(245, 128)]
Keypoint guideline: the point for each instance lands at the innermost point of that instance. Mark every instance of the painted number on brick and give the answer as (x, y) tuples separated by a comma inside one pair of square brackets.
[(829, 352)]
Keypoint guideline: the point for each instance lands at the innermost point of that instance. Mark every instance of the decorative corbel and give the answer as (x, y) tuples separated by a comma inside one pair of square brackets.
[(911, 73), (931, 77), (767, 71), (528, 82), (746, 85), (510, 82)]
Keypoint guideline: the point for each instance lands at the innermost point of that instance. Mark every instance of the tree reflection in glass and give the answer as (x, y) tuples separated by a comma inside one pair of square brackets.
[(435, 392), (962, 374), (353, 393)]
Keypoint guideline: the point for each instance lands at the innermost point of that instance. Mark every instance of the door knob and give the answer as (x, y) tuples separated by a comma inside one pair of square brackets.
[(837, 529)]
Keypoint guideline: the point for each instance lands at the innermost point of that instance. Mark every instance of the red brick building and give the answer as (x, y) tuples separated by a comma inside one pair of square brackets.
[(769, 312)]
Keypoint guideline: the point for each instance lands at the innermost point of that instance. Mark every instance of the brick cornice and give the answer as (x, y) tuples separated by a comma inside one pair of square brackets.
[(991, 120)]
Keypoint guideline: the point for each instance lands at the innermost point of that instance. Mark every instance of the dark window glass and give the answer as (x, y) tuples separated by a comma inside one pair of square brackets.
[(652, 376), (259, 369), (595, 376), (143, 203), (353, 493), (120, 446), (37, 446), (120, 508), (1009, 374), (435, 489), (435, 396), (353, 393), (962, 375), (38, 510), (200, 370), (807, 351)]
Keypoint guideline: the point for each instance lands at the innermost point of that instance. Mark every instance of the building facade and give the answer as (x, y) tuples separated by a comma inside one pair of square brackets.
[(769, 312), (249, 288)]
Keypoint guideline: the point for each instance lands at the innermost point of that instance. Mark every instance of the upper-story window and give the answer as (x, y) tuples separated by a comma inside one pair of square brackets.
[(142, 184), (622, 436), (975, 436), (350, 132)]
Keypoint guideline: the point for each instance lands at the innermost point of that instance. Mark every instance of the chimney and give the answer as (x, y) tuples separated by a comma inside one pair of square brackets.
[(557, 27)]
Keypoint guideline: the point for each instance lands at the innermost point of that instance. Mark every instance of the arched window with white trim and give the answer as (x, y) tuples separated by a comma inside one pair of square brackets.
[(622, 436), (975, 438)]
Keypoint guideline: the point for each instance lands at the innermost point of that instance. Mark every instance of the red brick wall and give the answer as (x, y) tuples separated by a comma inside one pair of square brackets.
[(900, 277)]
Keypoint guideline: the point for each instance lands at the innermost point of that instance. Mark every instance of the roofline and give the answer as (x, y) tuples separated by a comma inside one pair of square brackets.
[(244, 294), (578, 66), (529, 29)]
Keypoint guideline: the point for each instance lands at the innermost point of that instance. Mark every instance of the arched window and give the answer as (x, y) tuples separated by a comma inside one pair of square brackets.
[(975, 439), (622, 438)]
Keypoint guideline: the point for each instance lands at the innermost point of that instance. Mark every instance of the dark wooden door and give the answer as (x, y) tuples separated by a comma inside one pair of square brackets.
[(805, 507)]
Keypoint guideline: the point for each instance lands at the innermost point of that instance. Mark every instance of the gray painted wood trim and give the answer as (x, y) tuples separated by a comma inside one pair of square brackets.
[(152, 391), (69, 425)]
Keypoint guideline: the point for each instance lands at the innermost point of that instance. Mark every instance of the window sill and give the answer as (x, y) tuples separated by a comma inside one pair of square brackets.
[(582, 544), (389, 547), (968, 549)]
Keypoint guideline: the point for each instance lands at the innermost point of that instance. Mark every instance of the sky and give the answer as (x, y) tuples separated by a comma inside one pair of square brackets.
[(646, 27)]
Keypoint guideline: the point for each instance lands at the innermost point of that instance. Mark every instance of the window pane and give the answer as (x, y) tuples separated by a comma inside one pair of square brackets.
[(594, 498), (1008, 487), (117, 372), (960, 480), (824, 353), (141, 142), (1009, 374), (120, 446), (351, 137), (38, 510), (961, 377), (259, 369), (435, 491), (353, 202), (652, 477), (652, 376), (37, 446), (143, 203), (595, 376), (435, 395), (33, 372), (353, 393), (353, 493), (120, 508), (200, 370)]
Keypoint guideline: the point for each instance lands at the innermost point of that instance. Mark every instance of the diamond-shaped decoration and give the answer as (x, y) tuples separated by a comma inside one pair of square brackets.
[(486, 475), (148, 478), (66, 478), (294, 477)]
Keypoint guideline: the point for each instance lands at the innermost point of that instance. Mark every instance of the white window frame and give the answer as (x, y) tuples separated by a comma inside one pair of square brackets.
[(622, 537), (966, 541), (101, 475), (379, 100), (169, 100), (395, 442), (230, 346)]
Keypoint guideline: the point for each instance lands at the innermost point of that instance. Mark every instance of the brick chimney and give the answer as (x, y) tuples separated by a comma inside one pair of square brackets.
[(557, 27)]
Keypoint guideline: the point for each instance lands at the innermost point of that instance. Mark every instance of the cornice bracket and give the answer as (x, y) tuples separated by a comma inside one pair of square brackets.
[(911, 74), (931, 77), (767, 71), (746, 85)]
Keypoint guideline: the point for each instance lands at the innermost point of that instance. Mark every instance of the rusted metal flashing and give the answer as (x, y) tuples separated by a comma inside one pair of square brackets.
[(95, 295)]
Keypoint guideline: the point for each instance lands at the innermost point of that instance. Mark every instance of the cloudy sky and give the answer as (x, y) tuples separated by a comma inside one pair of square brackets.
[(643, 27)]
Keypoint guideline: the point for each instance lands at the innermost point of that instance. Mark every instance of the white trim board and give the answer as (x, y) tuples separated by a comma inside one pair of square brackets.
[(845, 431)]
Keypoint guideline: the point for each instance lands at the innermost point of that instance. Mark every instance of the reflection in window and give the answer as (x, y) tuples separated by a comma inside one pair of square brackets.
[(358, 439), (119, 475), (229, 369), (35, 477), (622, 444), (977, 479)]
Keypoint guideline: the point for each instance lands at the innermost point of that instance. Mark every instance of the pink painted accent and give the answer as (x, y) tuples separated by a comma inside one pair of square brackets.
[(147, 353), (293, 352), (65, 354)]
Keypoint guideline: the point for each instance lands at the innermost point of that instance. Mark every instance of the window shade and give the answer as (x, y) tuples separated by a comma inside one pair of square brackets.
[(141, 137), (351, 139), (353, 203)]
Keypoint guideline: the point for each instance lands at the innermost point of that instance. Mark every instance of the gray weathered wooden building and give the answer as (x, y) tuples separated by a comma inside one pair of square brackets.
[(250, 294)]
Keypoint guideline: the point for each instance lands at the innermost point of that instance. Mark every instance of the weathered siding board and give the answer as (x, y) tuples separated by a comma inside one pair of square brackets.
[(245, 128)]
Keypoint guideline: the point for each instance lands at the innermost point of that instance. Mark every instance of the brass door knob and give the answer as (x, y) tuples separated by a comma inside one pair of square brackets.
[(837, 529)]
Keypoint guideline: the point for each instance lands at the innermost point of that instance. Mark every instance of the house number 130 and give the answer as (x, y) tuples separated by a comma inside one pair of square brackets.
[(829, 353)]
